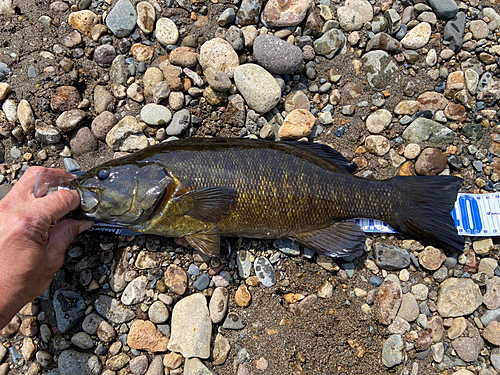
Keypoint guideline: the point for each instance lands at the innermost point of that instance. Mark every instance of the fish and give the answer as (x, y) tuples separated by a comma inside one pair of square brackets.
[(202, 189)]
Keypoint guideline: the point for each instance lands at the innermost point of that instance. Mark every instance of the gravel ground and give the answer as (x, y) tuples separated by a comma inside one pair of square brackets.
[(400, 87)]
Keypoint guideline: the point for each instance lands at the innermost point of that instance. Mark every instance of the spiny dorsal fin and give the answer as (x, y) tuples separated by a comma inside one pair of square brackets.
[(208, 241), (327, 153), (340, 240)]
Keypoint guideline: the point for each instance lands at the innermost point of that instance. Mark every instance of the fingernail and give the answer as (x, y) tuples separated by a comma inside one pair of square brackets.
[(86, 225)]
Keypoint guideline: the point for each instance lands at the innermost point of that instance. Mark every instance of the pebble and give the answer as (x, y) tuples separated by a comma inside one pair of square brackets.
[(143, 335), (64, 99), (217, 79), (257, 86), (248, 13), (444, 9), (377, 121), (349, 19), (408, 309), (381, 69), (155, 114), (69, 309), (135, 292), (458, 297), (122, 19), (417, 37), (454, 31), (297, 124), (102, 124), (491, 298), (377, 144), (242, 296), (142, 53), (218, 304), (392, 351), (388, 300), (279, 14), (202, 282), (126, 136), (139, 365), (466, 349), (71, 362), (276, 55), (26, 117), (83, 142), (111, 309), (265, 272), (391, 258), (219, 54), (158, 312), (329, 43), (82, 341), (422, 129), (146, 16), (191, 327), (106, 332), (83, 20), (180, 122), (495, 358), (183, 56), (105, 54), (227, 17), (383, 41), (9, 107), (103, 100)]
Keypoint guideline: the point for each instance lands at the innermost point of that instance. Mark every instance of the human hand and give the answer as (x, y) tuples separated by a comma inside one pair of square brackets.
[(34, 236)]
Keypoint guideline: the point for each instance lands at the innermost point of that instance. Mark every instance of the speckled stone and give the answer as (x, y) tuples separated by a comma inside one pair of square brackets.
[(122, 19), (279, 13), (219, 54), (166, 31), (276, 55), (329, 43), (458, 297), (257, 86), (381, 69), (418, 36)]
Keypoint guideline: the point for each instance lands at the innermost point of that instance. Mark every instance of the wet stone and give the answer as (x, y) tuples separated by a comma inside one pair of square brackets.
[(430, 162), (69, 309), (265, 271), (391, 257), (191, 327), (122, 19)]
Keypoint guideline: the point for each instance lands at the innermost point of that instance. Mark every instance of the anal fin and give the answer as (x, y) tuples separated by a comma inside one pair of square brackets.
[(207, 241), (341, 239)]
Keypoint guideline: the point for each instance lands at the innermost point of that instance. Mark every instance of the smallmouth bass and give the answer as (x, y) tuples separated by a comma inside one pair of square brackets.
[(202, 189)]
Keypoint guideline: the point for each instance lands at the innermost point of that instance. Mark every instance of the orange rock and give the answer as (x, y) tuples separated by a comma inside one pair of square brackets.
[(142, 53), (252, 281), (176, 279), (431, 258), (297, 124), (242, 296), (144, 335), (83, 20), (405, 169), (293, 297)]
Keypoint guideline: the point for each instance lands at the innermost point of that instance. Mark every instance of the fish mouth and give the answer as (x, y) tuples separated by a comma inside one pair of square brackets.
[(89, 199)]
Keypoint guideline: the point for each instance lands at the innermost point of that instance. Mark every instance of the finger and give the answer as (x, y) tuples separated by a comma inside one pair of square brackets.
[(51, 178), (56, 205), (25, 187), (62, 235)]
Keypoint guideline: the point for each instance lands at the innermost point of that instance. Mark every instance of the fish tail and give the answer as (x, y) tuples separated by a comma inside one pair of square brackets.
[(425, 211)]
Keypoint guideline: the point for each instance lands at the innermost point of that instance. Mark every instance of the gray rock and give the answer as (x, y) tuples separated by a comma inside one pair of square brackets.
[(233, 321), (180, 122), (489, 316), (381, 69), (155, 114), (383, 41), (466, 348), (391, 258), (265, 271), (235, 38), (139, 365), (119, 72), (122, 19), (156, 367), (111, 309), (243, 262), (191, 327), (444, 9), (83, 341), (329, 43), (423, 129), (394, 21), (287, 246), (218, 304), (69, 309), (226, 17), (135, 292), (193, 366), (349, 19), (257, 86), (454, 31), (103, 100), (248, 13), (458, 297), (91, 323), (217, 79), (408, 310), (127, 136), (158, 312), (202, 282), (392, 354), (276, 55), (71, 362), (46, 133), (71, 119)]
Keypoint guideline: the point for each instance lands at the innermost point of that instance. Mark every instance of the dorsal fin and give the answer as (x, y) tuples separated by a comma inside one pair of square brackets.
[(327, 153)]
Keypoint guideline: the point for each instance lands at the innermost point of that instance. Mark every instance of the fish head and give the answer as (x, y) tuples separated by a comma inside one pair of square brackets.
[(122, 193)]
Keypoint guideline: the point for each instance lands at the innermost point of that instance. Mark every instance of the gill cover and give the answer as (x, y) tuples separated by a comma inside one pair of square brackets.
[(122, 194)]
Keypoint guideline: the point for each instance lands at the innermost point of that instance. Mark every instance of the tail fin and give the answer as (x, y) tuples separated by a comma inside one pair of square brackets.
[(425, 212)]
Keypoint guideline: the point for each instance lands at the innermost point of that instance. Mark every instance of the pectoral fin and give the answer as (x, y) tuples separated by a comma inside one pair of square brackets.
[(341, 239), (208, 241), (208, 204)]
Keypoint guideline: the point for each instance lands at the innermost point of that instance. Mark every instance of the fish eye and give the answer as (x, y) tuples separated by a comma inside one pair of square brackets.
[(103, 174)]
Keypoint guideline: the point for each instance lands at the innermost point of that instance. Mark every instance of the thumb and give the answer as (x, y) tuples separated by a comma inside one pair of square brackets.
[(63, 234)]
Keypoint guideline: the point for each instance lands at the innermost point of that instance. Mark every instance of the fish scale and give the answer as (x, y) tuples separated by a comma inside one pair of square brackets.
[(201, 189)]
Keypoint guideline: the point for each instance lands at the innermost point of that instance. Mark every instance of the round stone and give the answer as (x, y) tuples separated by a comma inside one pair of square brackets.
[(158, 312), (219, 54), (65, 98), (276, 55), (349, 18), (83, 142), (418, 36), (297, 124), (430, 163), (104, 55), (377, 145), (458, 297), (258, 87), (146, 17), (283, 14), (166, 31), (378, 121), (381, 69), (155, 114)]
